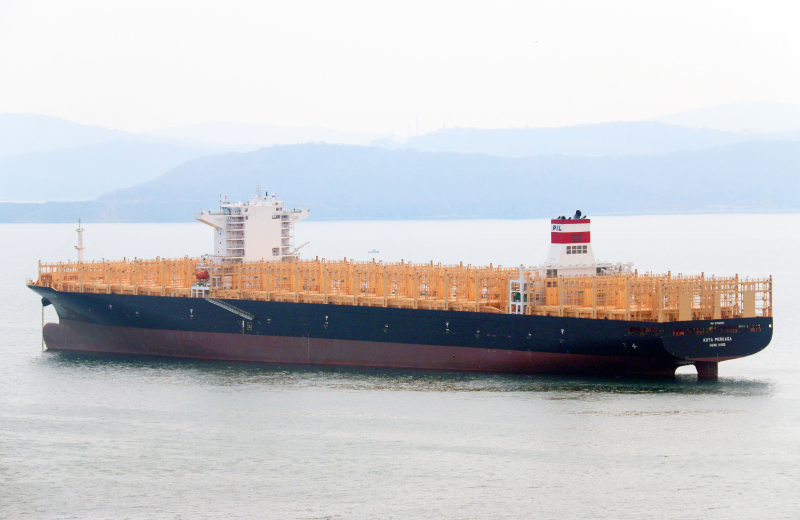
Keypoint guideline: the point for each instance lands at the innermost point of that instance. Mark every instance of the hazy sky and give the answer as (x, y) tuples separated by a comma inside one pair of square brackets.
[(379, 66)]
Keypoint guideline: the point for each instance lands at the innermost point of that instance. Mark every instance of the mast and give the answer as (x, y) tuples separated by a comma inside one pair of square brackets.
[(80, 246)]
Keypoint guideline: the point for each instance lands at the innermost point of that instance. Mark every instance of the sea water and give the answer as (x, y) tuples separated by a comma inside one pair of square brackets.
[(93, 436)]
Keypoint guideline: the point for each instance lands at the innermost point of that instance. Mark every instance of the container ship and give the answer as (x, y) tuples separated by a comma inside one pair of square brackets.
[(256, 300)]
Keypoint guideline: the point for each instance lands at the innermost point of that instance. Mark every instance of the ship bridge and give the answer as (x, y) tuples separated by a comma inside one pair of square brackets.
[(260, 229)]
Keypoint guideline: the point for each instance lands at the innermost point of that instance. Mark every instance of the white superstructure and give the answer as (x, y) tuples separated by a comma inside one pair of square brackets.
[(570, 254), (571, 250), (259, 229)]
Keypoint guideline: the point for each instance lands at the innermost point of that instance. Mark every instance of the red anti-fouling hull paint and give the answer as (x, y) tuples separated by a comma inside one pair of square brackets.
[(81, 336)]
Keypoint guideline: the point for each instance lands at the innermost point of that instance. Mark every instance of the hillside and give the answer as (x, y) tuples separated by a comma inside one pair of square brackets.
[(619, 138), (351, 182), (257, 135), (85, 172), (744, 116), (25, 133)]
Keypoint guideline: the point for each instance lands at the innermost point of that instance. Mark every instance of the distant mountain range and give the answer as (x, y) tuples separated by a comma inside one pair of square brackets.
[(45, 158), (745, 116), (240, 134), (620, 138), (677, 164), (86, 172), (353, 182), (25, 133)]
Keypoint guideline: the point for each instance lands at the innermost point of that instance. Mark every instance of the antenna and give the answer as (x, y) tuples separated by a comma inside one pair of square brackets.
[(80, 246)]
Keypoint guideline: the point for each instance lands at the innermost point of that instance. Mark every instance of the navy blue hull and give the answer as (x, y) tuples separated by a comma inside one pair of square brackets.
[(376, 336)]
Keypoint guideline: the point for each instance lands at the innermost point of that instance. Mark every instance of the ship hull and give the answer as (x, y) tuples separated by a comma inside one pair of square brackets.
[(302, 333)]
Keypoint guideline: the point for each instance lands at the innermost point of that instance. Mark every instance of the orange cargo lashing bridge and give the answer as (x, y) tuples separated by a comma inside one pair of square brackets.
[(457, 287)]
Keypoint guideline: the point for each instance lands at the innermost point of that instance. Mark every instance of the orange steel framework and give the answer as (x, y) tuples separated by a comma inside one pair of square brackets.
[(648, 297)]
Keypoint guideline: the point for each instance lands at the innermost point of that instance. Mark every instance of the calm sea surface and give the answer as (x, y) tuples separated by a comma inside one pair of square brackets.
[(88, 436)]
